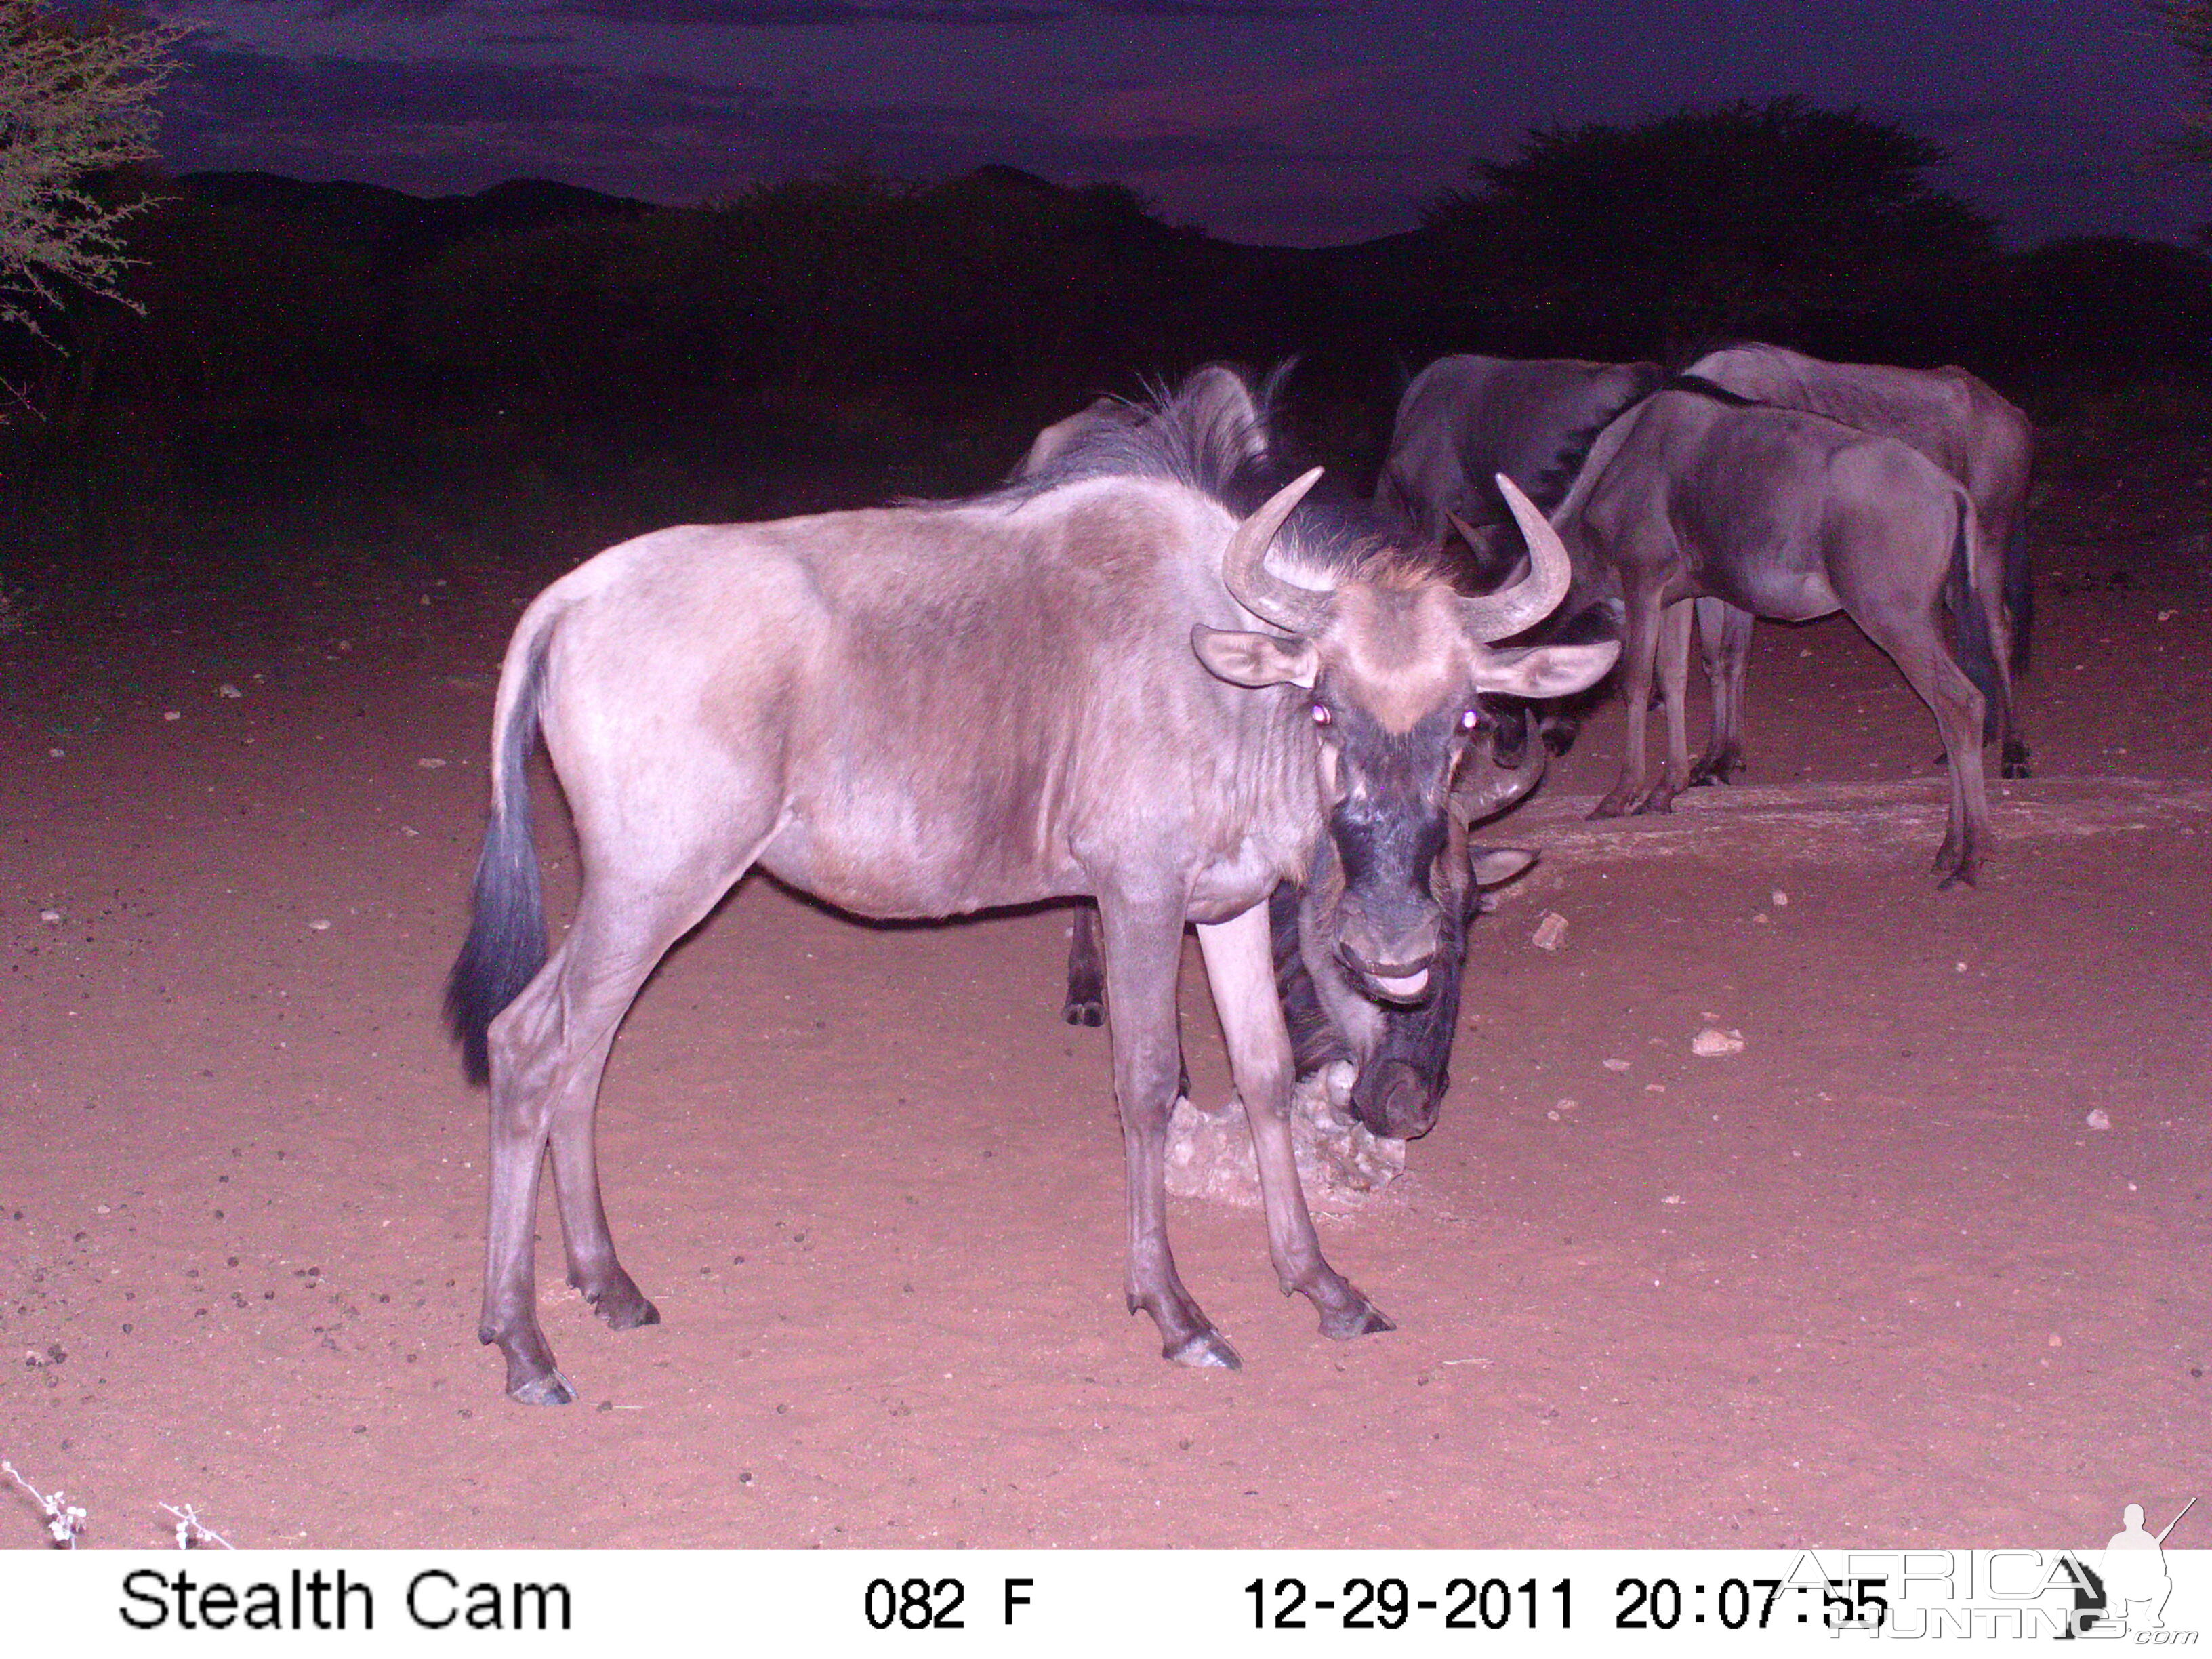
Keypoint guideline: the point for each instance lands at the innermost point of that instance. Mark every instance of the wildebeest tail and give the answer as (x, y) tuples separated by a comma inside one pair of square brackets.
[(2019, 593), (506, 946), (1971, 640)]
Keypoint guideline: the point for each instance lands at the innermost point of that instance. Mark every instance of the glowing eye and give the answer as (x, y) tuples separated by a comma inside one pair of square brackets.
[(1470, 719), (1319, 714)]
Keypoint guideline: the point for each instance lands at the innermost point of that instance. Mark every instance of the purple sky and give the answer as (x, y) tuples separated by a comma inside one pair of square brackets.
[(1302, 121)]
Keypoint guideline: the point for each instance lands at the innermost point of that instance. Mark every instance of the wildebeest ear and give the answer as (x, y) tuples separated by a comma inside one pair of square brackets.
[(1546, 671), (1255, 659), (1493, 867)]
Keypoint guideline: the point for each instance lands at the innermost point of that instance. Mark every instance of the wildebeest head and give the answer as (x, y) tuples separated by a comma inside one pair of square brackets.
[(1395, 660)]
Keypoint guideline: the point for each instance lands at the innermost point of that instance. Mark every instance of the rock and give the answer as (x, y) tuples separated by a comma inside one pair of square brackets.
[(1550, 932), (1616, 1066), (2097, 1120), (227, 689), (1340, 1164), (1712, 1043)]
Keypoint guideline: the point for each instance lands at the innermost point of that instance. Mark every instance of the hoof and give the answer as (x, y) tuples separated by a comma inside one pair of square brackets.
[(1083, 1014), (550, 1389), (1208, 1349), (1364, 1321), (1656, 801), (1610, 807), (1961, 877), (2016, 769), (627, 1313)]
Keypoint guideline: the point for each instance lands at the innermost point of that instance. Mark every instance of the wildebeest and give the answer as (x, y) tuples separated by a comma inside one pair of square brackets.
[(1090, 681), (1464, 421), (1957, 421), (1697, 493), (1397, 1049)]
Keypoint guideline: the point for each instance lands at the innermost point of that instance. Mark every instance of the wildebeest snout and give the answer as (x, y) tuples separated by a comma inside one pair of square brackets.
[(1393, 1101), (1393, 953)]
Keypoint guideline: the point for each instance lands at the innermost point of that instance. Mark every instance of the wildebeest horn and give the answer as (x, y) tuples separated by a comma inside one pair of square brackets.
[(1258, 589), (1467, 532), (1485, 790), (1499, 616)]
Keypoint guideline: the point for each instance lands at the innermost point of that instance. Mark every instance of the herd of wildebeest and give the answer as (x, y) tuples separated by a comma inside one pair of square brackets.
[(1156, 672)]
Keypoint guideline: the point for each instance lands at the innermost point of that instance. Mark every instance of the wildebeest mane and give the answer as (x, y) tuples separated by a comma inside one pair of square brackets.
[(1549, 487), (1698, 385), (1227, 448)]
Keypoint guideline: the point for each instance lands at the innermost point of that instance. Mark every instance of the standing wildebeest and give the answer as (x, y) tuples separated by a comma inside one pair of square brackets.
[(1398, 1050), (1067, 687), (1697, 493), (1957, 421)]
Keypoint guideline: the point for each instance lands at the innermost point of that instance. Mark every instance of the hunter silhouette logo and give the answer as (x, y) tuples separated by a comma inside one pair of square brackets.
[(2135, 1580)]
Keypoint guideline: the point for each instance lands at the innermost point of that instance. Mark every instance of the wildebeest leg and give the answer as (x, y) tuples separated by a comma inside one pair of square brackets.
[(1240, 965), (1086, 971), (1915, 639), (1086, 982), (1673, 689), (2001, 582), (1640, 630), (2005, 544), (548, 1050), (1724, 634), (1144, 947)]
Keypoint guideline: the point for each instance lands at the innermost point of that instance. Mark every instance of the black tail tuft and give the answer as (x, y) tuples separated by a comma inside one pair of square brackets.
[(1971, 640), (506, 946)]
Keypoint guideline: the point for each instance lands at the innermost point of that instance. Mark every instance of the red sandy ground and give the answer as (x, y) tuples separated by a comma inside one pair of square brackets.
[(1874, 1280)]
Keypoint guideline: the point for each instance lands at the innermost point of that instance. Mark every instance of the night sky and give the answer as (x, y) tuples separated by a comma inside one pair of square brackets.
[(1300, 121)]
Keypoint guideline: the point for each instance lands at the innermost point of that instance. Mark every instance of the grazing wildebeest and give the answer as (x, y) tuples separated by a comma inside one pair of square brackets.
[(1957, 421), (1089, 682), (1464, 421), (1697, 493), (1399, 1050)]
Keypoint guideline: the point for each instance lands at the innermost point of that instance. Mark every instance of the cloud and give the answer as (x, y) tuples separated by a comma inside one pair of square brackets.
[(448, 124)]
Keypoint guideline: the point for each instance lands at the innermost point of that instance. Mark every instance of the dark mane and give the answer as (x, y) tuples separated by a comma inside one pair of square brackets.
[(1698, 385), (1550, 486)]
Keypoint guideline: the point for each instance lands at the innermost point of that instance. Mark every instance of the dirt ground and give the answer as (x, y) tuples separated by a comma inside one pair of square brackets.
[(1875, 1279)]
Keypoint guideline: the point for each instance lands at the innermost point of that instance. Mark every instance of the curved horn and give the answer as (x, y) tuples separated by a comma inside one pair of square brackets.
[(1258, 589), (1536, 596), (1483, 792)]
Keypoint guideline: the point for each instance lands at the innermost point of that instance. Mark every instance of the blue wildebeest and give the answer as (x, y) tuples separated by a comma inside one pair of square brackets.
[(1089, 682), (1697, 493), (1964, 426), (1397, 1084), (1465, 421)]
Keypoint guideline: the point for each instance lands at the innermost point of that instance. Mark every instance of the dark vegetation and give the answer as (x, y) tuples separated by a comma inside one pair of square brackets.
[(538, 367)]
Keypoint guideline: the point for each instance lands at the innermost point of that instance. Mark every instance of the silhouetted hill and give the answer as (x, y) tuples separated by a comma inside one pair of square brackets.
[(400, 228)]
